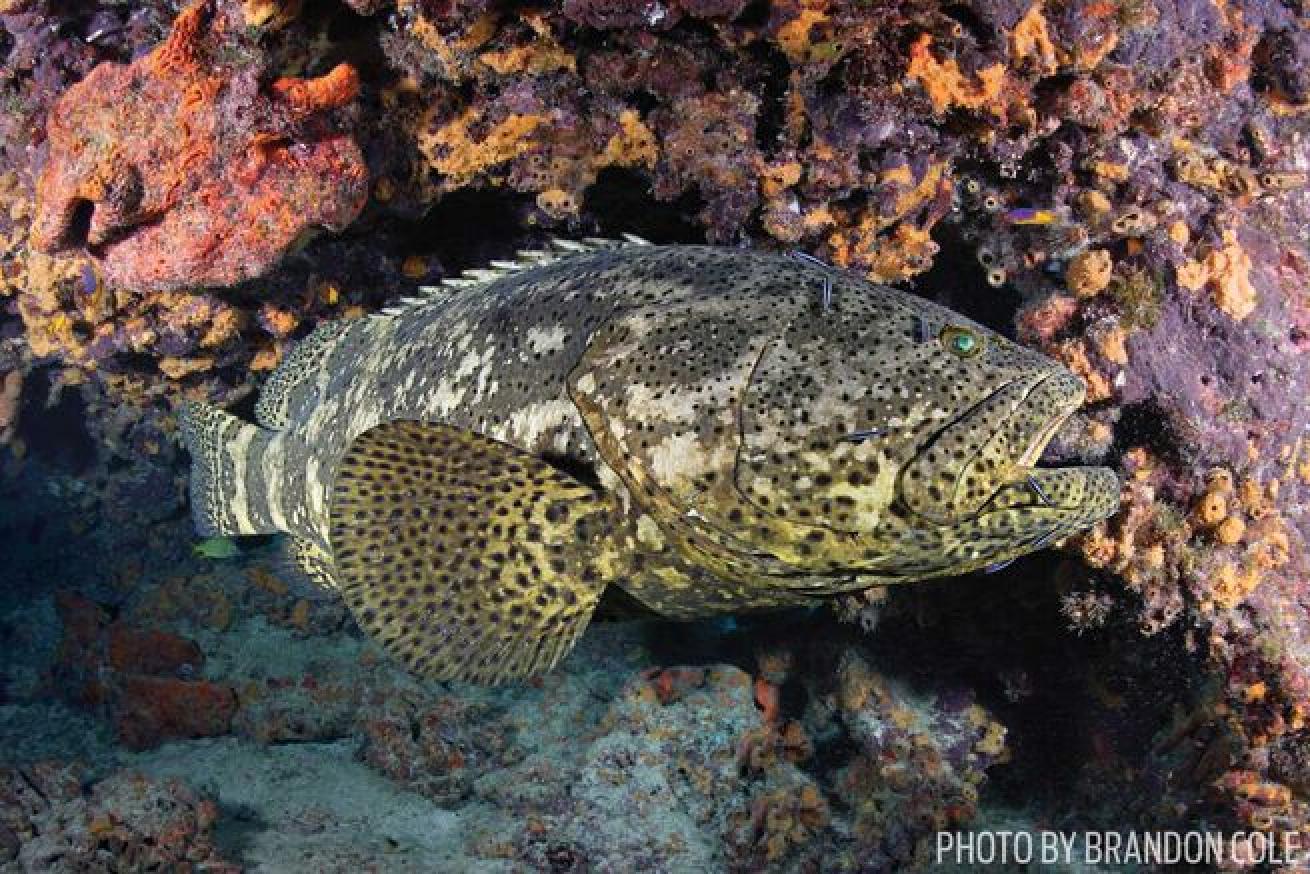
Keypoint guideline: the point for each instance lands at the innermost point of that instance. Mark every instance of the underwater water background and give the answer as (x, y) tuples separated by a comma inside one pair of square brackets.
[(189, 189)]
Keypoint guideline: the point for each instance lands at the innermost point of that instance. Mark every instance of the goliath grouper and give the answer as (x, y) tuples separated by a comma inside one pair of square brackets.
[(710, 430)]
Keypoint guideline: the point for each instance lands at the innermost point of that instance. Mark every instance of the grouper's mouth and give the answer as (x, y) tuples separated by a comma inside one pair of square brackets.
[(988, 451), (1033, 455)]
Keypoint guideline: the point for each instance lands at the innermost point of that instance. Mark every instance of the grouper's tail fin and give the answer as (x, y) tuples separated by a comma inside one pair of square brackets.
[(228, 494)]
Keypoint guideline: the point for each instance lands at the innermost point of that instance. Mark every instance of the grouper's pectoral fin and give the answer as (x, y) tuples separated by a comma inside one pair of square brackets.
[(308, 566), (465, 557)]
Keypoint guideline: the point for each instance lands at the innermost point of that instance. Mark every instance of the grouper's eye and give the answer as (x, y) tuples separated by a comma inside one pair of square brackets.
[(961, 341)]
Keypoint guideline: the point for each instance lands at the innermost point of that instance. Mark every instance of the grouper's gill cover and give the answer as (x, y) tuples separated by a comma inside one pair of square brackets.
[(709, 429)]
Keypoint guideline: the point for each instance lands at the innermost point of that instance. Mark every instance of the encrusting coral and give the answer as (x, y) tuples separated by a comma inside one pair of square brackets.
[(182, 169), (147, 681), (200, 161)]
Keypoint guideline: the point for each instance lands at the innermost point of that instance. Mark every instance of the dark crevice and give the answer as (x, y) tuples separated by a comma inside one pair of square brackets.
[(622, 202), (773, 98), (1053, 85), (79, 225), (1005, 636), (468, 228), (970, 21), (580, 470), (55, 434), (245, 407), (1146, 424), (754, 16), (644, 102), (352, 38), (957, 281), (6, 45)]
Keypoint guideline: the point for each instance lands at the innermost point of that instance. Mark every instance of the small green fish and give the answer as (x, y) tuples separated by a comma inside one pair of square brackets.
[(217, 548), (707, 430)]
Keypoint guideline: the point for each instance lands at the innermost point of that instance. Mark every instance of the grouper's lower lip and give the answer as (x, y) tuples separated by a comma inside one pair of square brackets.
[(1076, 496)]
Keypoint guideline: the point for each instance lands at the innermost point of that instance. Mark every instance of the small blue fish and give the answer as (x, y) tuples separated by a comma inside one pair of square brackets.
[(90, 284)]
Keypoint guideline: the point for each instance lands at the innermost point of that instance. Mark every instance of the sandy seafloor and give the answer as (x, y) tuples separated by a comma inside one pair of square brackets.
[(649, 749), (315, 807)]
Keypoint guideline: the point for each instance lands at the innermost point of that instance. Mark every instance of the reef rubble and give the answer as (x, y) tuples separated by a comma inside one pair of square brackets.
[(604, 764), (51, 821)]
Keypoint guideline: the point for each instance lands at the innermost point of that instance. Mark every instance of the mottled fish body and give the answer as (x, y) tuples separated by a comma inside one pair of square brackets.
[(711, 430)]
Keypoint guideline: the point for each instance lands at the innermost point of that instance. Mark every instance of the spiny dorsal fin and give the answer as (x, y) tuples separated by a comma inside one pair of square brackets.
[(467, 558), (558, 249)]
